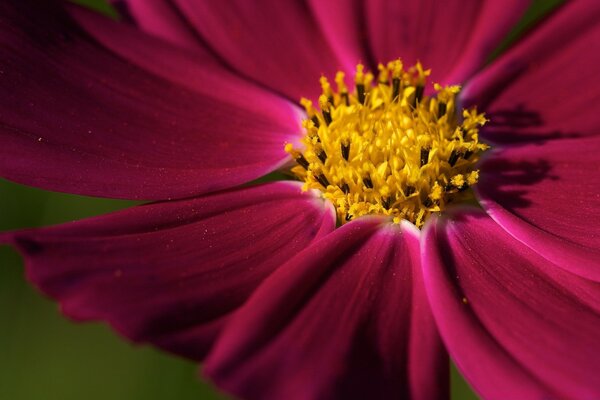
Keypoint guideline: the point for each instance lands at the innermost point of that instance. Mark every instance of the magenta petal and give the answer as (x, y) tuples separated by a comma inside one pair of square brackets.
[(277, 43), (453, 39), (171, 273), (343, 24), (517, 326), (345, 319), (77, 117), (546, 196), (162, 19), (546, 86)]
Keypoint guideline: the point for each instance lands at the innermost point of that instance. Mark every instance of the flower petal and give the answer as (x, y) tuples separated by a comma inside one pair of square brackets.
[(76, 117), (277, 43), (453, 39), (345, 319), (171, 273), (162, 19), (547, 197), (546, 86), (344, 26), (517, 326)]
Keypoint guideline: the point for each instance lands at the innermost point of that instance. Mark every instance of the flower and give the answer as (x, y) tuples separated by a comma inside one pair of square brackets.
[(254, 280)]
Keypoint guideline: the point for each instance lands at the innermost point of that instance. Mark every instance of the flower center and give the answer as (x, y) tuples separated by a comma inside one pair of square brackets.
[(387, 148)]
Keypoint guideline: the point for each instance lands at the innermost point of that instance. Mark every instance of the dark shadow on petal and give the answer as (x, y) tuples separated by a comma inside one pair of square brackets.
[(509, 180), (519, 125), (519, 117)]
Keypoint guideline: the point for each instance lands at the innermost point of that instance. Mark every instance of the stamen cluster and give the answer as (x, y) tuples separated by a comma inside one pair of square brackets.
[(388, 148)]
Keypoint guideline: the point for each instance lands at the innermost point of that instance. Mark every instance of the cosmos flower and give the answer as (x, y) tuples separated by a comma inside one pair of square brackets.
[(194, 100)]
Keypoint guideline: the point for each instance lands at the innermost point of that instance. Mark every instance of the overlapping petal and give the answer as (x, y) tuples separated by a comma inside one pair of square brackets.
[(163, 19), (344, 25), (517, 326), (546, 195), (276, 43), (453, 38), (76, 117), (546, 86), (171, 273), (347, 318)]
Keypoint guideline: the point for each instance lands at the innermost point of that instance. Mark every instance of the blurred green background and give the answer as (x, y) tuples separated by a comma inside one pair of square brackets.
[(44, 356)]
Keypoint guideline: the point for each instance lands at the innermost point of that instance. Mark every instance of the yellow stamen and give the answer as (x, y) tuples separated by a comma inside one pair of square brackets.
[(387, 148)]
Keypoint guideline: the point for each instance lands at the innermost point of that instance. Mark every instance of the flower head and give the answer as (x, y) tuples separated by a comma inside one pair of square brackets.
[(388, 149), (255, 280)]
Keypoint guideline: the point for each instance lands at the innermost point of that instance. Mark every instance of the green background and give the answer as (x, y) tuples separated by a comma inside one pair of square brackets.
[(45, 356)]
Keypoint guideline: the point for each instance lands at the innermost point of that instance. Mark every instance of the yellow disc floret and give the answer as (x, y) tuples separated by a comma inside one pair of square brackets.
[(386, 147)]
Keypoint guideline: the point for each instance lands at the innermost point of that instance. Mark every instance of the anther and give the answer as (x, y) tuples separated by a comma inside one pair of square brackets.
[(396, 67), (327, 117), (345, 188), (315, 121), (424, 155), (346, 98), (302, 161), (419, 90), (360, 92), (467, 154), (322, 156), (359, 80), (325, 111), (454, 157), (387, 202), (348, 217), (419, 93), (428, 203), (395, 89), (441, 110), (409, 190), (322, 180), (345, 151), (368, 182)]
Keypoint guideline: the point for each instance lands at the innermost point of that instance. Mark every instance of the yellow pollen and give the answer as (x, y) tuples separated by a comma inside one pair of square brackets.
[(386, 147)]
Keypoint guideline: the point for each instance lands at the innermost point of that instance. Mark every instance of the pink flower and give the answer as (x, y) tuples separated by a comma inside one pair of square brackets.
[(254, 280)]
